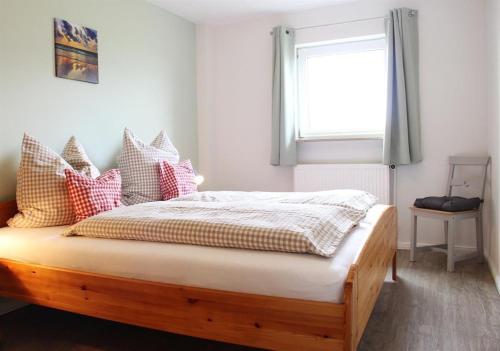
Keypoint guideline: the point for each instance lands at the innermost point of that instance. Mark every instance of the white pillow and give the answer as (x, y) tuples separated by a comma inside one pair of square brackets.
[(42, 197), (138, 164)]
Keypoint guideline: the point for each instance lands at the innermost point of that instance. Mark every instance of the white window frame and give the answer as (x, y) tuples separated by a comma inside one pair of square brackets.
[(350, 45)]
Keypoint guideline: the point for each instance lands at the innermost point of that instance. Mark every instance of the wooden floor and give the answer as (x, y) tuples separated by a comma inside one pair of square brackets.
[(431, 309), (428, 309)]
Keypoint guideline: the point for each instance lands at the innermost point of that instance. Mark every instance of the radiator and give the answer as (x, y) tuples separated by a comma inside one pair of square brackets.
[(373, 178)]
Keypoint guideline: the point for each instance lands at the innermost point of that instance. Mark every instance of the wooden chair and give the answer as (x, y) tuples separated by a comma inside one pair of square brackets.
[(450, 218)]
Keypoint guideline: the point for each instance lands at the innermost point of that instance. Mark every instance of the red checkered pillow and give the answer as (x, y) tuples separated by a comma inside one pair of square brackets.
[(93, 196), (176, 179)]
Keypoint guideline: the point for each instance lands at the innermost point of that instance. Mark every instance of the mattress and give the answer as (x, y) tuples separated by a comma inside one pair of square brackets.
[(301, 276)]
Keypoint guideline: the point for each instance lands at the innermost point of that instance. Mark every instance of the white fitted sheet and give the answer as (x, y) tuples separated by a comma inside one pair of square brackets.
[(301, 276)]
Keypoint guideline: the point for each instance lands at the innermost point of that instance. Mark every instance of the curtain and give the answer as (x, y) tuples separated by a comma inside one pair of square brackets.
[(284, 149), (402, 133)]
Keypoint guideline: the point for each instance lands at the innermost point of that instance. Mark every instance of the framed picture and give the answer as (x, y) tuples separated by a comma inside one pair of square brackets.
[(76, 52)]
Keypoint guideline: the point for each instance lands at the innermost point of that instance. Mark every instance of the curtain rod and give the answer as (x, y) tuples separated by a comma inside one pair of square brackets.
[(339, 23), (411, 13)]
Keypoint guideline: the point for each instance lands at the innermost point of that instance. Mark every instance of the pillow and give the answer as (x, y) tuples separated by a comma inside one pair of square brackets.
[(89, 196), (138, 167), (176, 179), (75, 155), (42, 197)]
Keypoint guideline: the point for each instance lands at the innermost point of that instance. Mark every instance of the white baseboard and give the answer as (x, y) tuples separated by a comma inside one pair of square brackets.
[(494, 273), (405, 245)]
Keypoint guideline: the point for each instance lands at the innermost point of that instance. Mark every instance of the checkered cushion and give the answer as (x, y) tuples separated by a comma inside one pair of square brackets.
[(42, 197), (92, 196), (75, 155), (138, 164), (176, 179)]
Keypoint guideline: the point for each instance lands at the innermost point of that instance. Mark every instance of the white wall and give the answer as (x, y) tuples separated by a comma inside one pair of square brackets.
[(234, 83), (147, 80), (493, 35)]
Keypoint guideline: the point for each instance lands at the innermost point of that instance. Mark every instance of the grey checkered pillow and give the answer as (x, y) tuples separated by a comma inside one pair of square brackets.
[(138, 164), (75, 155), (42, 197)]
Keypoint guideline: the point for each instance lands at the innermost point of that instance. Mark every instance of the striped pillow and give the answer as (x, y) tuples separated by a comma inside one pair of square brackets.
[(42, 197), (138, 167), (176, 179), (89, 196)]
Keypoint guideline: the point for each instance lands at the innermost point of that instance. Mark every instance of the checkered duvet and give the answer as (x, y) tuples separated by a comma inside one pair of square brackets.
[(313, 223)]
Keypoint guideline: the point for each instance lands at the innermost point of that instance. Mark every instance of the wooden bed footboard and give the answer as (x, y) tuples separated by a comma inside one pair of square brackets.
[(367, 274), (247, 319)]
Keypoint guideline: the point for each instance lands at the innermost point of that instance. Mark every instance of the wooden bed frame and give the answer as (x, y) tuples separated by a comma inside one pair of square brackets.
[(246, 319)]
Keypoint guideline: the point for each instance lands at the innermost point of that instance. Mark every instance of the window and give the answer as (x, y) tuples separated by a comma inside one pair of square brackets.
[(342, 90)]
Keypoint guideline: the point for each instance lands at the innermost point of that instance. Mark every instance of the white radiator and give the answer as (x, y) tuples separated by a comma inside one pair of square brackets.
[(373, 178)]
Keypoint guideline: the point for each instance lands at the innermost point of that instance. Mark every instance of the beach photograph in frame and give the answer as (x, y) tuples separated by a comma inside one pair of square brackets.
[(76, 52)]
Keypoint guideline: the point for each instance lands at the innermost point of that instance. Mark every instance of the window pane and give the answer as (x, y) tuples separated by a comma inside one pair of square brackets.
[(343, 93)]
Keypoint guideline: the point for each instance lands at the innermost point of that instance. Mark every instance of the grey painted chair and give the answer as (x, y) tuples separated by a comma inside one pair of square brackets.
[(450, 218)]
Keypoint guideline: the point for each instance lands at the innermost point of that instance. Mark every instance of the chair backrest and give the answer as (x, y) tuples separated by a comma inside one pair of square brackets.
[(454, 181)]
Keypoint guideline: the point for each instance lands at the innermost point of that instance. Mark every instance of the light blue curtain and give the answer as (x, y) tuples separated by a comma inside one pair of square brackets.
[(284, 148), (402, 143)]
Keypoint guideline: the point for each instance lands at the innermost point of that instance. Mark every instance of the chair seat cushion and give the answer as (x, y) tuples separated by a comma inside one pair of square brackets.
[(448, 203)]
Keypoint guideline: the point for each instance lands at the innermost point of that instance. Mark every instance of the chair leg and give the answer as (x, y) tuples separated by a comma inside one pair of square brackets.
[(451, 246), (413, 238), (445, 232), (479, 238)]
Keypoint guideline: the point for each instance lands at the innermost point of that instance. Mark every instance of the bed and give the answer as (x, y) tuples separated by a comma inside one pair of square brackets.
[(253, 298)]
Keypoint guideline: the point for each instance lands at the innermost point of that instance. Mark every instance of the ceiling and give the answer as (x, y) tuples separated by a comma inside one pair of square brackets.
[(216, 11)]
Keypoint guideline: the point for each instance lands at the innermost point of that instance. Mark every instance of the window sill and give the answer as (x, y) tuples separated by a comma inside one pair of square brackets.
[(341, 137)]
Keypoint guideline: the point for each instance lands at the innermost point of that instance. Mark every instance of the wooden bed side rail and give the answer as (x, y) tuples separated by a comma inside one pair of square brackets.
[(246, 319), (7, 210), (367, 274)]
